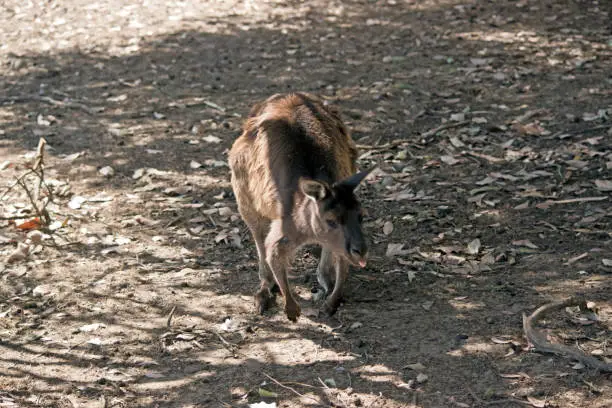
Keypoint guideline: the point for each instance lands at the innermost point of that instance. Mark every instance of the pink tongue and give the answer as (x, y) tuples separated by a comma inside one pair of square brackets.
[(362, 263)]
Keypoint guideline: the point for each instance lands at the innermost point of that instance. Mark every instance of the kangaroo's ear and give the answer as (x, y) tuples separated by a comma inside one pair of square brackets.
[(314, 189), (353, 181)]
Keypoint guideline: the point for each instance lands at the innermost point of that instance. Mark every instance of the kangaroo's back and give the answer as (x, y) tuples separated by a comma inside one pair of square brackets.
[(285, 138)]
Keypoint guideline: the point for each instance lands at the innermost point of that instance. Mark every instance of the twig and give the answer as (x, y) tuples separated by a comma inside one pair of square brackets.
[(399, 142), (214, 106), (593, 129), (40, 155), (169, 321), (385, 146), (29, 194), (528, 115), (14, 217), (293, 390), (490, 159), (9, 188), (577, 258), (445, 126), (497, 402), (231, 347), (50, 101), (549, 203), (539, 342)]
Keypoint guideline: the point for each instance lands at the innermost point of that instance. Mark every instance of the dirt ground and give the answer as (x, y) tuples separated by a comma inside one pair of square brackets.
[(141, 292)]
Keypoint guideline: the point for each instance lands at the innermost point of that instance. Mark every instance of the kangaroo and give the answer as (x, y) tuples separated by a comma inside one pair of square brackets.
[(293, 174)]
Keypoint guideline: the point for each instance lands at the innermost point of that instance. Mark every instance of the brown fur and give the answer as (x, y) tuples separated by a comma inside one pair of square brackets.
[(287, 141)]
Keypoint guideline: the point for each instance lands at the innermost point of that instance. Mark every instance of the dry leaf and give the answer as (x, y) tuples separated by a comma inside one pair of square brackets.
[(473, 247), (427, 305), (454, 259), (457, 117), (415, 367), (91, 327), (211, 139), (107, 171), (503, 176), (34, 223), (388, 228), (531, 129), (225, 211), (480, 61), (76, 202), (138, 173), (488, 259), (19, 254), (195, 165), (456, 142), (485, 181), (263, 405), (154, 374), (498, 340), (525, 243), (35, 236), (395, 249), (145, 221), (421, 378), (43, 290), (355, 325), (522, 206), (450, 160), (604, 185), (110, 250), (536, 402), (266, 394), (577, 258)]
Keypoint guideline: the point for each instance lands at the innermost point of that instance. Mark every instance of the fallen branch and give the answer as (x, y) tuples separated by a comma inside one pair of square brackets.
[(539, 342), (385, 146), (50, 101), (38, 169), (445, 126), (490, 159), (293, 390), (399, 142), (593, 129), (549, 203), (170, 315), (498, 402)]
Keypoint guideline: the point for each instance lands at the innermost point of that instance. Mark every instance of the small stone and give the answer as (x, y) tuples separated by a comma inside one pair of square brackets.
[(107, 171), (457, 117), (42, 290)]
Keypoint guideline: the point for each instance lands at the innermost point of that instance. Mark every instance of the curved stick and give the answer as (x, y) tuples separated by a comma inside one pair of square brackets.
[(541, 344)]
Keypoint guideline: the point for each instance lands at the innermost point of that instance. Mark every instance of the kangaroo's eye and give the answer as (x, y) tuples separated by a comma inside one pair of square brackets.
[(332, 224)]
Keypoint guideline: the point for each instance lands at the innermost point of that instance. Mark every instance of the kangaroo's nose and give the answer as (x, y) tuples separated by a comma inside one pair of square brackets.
[(359, 249)]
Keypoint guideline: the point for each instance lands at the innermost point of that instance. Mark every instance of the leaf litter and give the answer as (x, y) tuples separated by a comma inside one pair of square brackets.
[(530, 156)]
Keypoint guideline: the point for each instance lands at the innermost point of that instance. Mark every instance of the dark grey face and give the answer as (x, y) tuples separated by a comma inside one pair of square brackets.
[(340, 216), (342, 212), (354, 240)]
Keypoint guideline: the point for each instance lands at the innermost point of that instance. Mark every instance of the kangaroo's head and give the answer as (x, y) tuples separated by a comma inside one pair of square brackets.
[(335, 216)]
